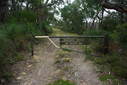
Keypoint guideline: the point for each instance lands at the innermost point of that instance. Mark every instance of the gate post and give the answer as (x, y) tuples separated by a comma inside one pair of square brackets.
[(32, 47), (106, 44), (61, 41)]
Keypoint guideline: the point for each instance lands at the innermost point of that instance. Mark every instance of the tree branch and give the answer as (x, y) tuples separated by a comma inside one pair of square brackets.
[(118, 7), (46, 2)]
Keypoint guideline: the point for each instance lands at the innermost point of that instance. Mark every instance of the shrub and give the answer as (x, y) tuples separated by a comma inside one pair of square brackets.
[(109, 23), (14, 38), (121, 33), (106, 77)]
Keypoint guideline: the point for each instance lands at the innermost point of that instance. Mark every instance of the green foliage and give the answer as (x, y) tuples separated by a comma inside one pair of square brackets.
[(14, 38), (36, 2), (95, 44), (109, 23), (62, 82), (106, 77), (116, 64), (121, 33), (106, 60), (6, 75), (66, 49), (75, 15), (93, 32), (72, 19), (118, 38), (22, 16), (19, 23)]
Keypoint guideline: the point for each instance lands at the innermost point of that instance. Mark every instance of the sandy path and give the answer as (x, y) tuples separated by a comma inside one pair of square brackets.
[(83, 71), (45, 71)]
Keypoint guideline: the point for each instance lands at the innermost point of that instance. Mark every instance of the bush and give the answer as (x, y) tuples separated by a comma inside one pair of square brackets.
[(110, 22), (96, 44), (14, 38), (115, 63), (106, 77), (121, 33)]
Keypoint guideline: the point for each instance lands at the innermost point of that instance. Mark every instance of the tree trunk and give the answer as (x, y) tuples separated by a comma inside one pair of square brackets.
[(13, 5), (3, 10), (121, 14)]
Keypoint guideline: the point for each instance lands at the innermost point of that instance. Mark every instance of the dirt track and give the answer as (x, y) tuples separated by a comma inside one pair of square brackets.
[(44, 71)]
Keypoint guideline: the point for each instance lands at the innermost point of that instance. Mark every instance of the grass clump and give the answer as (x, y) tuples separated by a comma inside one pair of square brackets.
[(62, 82), (62, 53), (66, 49), (106, 77)]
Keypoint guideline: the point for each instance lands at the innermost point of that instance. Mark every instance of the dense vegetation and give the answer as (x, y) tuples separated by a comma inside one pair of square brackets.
[(21, 20)]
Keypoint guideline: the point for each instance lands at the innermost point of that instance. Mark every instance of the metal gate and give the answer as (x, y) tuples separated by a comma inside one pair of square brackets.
[(75, 40)]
